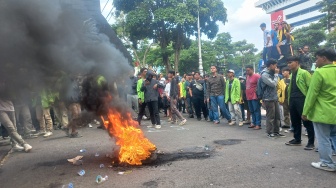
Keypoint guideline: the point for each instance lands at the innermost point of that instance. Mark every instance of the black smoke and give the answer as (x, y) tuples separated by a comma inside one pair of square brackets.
[(43, 39)]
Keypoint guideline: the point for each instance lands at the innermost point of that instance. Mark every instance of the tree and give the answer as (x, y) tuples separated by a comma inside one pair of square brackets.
[(244, 53), (328, 7), (170, 21), (331, 39), (311, 35)]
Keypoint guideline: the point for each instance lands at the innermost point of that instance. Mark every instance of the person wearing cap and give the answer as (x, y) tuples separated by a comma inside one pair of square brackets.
[(269, 82), (284, 37), (215, 94), (232, 97), (320, 106), (297, 91), (267, 42)]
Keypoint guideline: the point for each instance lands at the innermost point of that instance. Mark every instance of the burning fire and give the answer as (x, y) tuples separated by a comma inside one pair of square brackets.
[(134, 147)]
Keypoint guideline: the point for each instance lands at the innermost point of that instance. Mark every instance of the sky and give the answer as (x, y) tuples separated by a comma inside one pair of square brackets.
[(242, 23)]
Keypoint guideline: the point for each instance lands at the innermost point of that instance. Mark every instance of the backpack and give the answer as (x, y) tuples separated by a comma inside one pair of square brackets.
[(260, 89)]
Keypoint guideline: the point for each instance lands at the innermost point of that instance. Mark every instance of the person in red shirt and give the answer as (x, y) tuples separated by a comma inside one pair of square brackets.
[(251, 96)]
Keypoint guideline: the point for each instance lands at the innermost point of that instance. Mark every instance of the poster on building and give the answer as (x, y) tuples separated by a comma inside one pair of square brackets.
[(277, 17)]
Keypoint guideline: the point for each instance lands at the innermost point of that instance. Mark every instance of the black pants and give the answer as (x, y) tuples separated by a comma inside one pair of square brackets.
[(199, 106), (142, 108), (295, 110), (153, 107), (181, 105), (166, 104)]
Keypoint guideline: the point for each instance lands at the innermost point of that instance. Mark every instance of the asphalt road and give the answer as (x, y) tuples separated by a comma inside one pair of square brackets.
[(199, 154)]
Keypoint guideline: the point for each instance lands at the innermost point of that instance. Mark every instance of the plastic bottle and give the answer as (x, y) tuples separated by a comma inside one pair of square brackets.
[(81, 172), (100, 179), (82, 150)]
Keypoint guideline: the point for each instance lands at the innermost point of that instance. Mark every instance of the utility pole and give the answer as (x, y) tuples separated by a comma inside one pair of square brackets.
[(200, 63)]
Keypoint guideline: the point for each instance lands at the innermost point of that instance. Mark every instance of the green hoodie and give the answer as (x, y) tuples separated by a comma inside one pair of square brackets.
[(235, 91), (302, 81), (320, 104), (141, 94)]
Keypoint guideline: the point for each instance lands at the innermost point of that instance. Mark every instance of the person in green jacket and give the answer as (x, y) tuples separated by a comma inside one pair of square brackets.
[(320, 107), (297, 91), (141, 95), (233, 98), (47, 99)]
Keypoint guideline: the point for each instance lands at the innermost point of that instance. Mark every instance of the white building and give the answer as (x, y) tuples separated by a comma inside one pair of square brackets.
[(297, 13)]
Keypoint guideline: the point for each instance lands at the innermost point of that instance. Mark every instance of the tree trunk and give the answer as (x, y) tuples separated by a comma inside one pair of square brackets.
[(178, 47)]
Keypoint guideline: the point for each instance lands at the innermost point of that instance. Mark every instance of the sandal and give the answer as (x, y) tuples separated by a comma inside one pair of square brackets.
[(257, 128), (251, 126)]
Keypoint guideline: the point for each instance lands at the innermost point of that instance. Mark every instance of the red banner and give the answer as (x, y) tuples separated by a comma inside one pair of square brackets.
[(277, 17)]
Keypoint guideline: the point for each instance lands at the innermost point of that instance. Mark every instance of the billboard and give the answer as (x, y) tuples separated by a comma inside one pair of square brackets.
[(277, 17)]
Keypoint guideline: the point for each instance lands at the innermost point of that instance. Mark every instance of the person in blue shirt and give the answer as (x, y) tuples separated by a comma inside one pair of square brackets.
[(275, 41)]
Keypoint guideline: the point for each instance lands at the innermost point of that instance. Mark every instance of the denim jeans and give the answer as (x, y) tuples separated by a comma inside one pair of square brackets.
[(219, 101), (254, 106), (326, 137)]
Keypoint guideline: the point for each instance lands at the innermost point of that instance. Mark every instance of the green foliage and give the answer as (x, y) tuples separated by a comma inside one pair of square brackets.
[(328, 7), (331, 39), (170, 21), (311, 35), (244, 53)]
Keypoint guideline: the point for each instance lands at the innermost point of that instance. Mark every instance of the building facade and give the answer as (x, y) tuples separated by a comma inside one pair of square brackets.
[(297, 13)]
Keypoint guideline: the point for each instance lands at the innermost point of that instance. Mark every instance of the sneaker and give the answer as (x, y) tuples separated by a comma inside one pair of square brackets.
[(271, 135), (191, 116), (41, 133), (157, 126), (241, 124), (281, 56), (232, 123), (29, 136), (150, 126), (27, 147), (17, 147), (279, 135), (333, 153), (293, 143), (75, 135), (144, 117), (199, 119), (183, 122), (47, 134), (309, 147), (322, 166), (216, 122), (316, 150), (90, 125)]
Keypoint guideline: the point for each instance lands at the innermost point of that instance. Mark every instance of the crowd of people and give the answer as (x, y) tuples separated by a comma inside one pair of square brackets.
[(291, 97), (28, 114), (301, 93)]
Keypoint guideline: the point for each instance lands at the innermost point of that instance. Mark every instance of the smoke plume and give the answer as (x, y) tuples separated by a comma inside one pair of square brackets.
[(40, 40)]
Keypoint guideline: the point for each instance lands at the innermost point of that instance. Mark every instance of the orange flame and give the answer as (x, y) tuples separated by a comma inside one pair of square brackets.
[(134, 147)]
